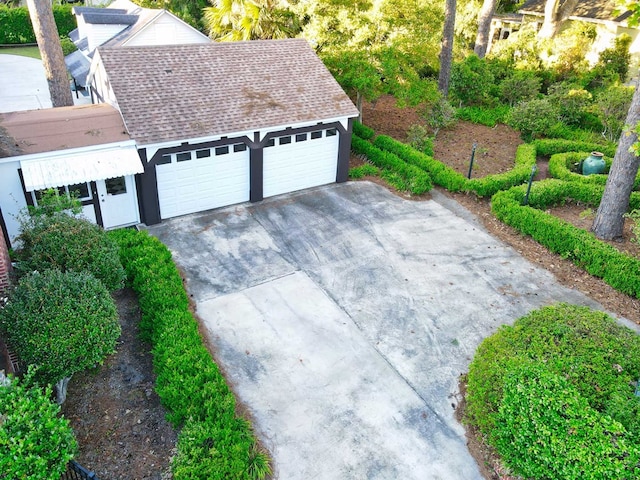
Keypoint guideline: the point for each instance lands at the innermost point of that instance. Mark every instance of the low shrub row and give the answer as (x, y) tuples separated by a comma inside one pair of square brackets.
[(440, 173), (598, 258), (399, 173), (448, 178), (548, 146), (214, 443), (363, 131), (554, 394), (520, 173), (563, 167)]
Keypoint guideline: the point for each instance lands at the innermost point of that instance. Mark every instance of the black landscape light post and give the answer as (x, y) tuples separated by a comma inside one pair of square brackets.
[(473, 154)]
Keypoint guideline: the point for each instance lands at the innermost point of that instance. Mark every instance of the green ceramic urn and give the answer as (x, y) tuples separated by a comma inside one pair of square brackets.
[(594, 163)]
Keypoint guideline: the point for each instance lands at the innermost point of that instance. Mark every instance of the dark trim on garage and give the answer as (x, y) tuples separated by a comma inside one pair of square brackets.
[(344, 154), (147, 184), (256, 170)]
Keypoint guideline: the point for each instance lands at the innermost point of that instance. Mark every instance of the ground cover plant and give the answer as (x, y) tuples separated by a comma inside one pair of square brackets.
[(554, 394), (214, 441)]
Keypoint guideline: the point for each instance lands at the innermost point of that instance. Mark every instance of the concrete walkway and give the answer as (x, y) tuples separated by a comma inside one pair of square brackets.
[(344, 315), (23, 85)]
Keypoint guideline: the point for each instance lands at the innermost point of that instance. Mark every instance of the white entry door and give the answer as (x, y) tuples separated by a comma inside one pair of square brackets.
[(118, 201)]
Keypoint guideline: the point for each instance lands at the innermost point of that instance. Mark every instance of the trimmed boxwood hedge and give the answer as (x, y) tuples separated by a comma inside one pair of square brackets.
[(399, 173), (214, 443), (549, 146), (448, 178), (598, 258), (440, 173), (560, 167), (363, 131)]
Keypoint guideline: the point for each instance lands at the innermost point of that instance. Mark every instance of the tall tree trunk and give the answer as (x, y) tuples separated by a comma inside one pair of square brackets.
[(609, 221), (484, 27), (555, 12), (446, 53), (48, 39), (359, 105)]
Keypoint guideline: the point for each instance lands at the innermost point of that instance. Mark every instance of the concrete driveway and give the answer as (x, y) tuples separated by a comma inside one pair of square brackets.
[(343, 317)]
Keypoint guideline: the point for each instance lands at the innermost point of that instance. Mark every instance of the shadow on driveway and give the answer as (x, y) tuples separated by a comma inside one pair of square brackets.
[(344, 315)]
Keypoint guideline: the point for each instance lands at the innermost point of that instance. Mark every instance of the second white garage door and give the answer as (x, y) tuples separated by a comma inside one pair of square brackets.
[(300, 161), (199, 180)]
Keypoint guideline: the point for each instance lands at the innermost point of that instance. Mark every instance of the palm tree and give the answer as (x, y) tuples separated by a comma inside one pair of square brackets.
[(233, 20)]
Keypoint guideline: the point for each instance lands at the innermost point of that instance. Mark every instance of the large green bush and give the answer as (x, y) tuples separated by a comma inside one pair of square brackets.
[(15, 23), (36, 443), (519, 86), (546, 429), (534, 118), (60, 322), (471, 81), (611, 107), (214, 442), (69, 243), (544, 392)]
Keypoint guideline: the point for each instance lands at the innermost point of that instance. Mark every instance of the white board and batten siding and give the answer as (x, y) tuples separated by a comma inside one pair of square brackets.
[(98, 33), (189, 184), (167, 30), (300, 161)]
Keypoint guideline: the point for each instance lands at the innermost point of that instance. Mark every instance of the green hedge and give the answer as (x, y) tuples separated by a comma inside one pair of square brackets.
[(553, 146), (448, 178), (399, 173), (214, 442), (560, 167), (15, 24), (363, 131), (554, 394), (520, 173), (598, 258), (440, 173)]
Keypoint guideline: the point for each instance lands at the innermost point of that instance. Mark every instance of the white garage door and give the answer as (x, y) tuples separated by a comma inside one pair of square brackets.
[(194, 181), (300, 161)]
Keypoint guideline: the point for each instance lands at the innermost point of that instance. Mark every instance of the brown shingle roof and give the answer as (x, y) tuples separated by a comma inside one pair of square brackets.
[(179, 92), (585, 9), (51, 129)]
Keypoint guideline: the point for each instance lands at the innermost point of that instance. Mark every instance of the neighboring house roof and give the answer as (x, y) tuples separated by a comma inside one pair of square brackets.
[(603, 10), (78, 65), (177, 92), (120, 12), (61, 128)]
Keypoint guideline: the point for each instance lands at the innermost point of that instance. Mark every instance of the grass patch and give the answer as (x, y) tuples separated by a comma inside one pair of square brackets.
[(32, 52)]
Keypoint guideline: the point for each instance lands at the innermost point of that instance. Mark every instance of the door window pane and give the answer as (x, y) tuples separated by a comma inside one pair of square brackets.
[(116, 186), (183, 157)]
